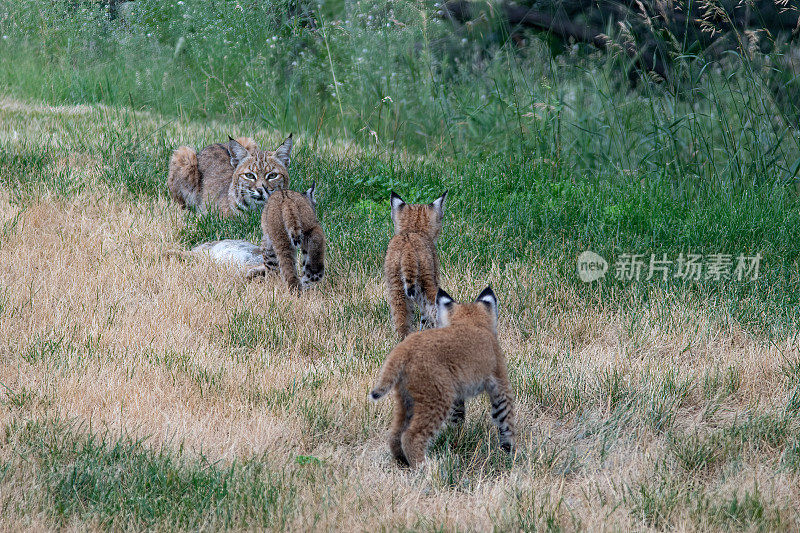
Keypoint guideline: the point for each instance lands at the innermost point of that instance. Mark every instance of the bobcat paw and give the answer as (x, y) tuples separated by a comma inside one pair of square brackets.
[(308, 279)]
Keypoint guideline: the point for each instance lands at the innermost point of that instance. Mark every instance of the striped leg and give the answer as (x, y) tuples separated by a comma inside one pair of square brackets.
[(458, 413), (503, 411), (270, 257)]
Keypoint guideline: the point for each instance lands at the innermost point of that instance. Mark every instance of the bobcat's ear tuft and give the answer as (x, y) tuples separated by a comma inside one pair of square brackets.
[(444, 303), (237, 151), (397, 203), (488, 298), (438, 204), (310, 194), (284, 151)]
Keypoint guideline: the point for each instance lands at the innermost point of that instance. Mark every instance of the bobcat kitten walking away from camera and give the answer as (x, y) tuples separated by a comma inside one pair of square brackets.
[(432, 372), (411, 265), (288, 222), (231, 177)]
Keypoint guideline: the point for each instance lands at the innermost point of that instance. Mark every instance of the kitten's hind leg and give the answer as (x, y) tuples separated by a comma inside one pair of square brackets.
[(503, 410), (270, 257), (402, 311), (428, 417), (427, 304), (287, 262), (458, 413), (403, 409)]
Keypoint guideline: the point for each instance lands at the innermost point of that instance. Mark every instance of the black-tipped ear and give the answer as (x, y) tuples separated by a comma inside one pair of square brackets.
[(283, 152), (237, 151), (444, 303), (488, 298), (310, 193), (442, 298), (438, 204), (397, 203)]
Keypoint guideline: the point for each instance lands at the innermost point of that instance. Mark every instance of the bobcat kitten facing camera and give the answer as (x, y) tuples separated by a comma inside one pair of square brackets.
[(432, 372), (411, 265), (289, 222), (233, 177)]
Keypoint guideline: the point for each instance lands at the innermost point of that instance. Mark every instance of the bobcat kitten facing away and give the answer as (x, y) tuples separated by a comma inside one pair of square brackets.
[(432, 372), (411, 265), (231, 177), (288, 222)]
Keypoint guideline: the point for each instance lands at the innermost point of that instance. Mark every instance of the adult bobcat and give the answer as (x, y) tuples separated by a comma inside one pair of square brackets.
[(411, 265), (288, 222), (432, 372), (231, 177)]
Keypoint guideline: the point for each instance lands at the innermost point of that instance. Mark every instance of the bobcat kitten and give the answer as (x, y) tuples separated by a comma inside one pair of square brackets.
[(432, 372), (288, 222), (232, 177), (411, 265)]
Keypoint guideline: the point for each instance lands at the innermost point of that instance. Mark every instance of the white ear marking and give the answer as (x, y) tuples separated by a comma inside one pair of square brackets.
[(438, 204), (237, 151), (396, 201), (488, 298), (443, 305), (310, 193)]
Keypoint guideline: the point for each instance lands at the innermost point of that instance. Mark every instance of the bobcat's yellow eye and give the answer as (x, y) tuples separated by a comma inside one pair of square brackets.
[(250, 176), (273, 176)]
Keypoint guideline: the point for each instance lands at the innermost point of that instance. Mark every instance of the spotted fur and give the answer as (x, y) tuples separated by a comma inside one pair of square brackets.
[(288, 222)]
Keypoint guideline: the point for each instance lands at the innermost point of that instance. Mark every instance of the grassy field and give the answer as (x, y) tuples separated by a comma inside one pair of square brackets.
[(139, 391)]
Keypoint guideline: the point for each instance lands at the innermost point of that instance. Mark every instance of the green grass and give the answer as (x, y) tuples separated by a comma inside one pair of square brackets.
[(554, 159), (469, 453), (119, 482)]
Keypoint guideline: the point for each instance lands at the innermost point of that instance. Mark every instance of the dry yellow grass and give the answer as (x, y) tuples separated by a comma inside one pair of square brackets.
[(144, 345)]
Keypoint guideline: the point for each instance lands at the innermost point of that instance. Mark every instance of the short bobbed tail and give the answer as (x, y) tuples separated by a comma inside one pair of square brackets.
[(184, 180), (409, 272), (391, 372)]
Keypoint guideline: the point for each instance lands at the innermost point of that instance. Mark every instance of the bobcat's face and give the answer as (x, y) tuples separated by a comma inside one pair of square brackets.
[(422, 218), (259, 174)]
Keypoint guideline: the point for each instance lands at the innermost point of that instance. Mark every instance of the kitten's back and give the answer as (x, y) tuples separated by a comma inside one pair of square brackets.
[(411, 265), (289, 222)]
